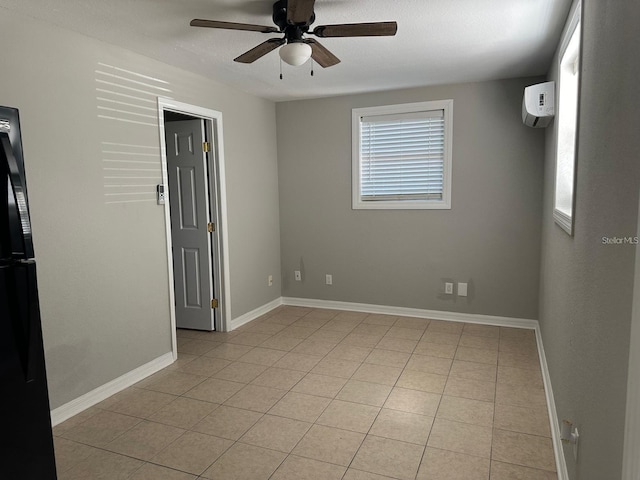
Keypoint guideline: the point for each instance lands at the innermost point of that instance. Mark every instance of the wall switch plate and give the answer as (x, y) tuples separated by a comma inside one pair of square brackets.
[(329, 279), (298, 275), (448, 288), (160, 195), (462, 289), (270, 280)]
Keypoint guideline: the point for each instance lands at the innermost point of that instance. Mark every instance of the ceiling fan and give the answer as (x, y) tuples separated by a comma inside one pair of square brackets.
[(293, 18)]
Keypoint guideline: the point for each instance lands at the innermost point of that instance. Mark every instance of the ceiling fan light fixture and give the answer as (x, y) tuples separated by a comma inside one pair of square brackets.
[(295, 53)]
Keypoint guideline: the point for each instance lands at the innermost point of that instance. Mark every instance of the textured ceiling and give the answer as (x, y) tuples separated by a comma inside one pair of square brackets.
[(438, 41)]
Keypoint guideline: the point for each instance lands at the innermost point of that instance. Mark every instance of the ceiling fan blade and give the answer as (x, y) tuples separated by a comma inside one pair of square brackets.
[(299, 11), (376, 29), (321, 55), (260, 51), (196, 22)]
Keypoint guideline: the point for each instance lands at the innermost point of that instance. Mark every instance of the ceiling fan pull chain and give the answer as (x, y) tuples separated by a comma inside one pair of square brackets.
[(280, 69), (312, 67)]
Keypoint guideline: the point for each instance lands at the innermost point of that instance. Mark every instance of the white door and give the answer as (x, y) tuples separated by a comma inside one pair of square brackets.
[(189, 207)]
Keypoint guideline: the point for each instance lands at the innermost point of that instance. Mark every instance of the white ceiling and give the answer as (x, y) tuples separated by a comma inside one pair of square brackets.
[(438, 41)]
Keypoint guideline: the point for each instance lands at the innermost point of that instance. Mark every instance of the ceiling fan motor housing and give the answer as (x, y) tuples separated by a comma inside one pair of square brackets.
[(280, 19)]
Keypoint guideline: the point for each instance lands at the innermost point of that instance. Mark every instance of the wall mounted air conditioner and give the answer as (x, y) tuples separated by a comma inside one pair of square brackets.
[(538, 105)]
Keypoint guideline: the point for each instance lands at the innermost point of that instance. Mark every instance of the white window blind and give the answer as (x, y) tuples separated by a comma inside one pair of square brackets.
[(402, 156)]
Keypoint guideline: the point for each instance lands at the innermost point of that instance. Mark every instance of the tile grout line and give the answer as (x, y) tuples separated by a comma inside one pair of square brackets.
[(378, 414), (495, 398), (314, 423), (426, 442), (306, 373), (436, 412)]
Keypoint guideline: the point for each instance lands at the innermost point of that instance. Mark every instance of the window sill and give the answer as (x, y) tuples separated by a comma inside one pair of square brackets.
[(400, 205), (564, 221)]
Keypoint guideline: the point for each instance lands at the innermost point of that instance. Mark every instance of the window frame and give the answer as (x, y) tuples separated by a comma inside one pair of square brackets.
[(574, 26), (356, 115)]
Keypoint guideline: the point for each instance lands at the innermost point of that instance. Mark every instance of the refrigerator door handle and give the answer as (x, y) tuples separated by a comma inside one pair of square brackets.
[(19, 194)]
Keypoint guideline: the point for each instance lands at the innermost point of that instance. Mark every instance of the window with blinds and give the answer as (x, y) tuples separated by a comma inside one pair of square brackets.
[(402, 156)]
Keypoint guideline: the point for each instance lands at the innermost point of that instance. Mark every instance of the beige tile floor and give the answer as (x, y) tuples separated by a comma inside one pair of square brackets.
[(321, 394)]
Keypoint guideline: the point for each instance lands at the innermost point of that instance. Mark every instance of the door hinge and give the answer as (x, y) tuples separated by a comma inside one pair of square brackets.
[(211, 227), (214, 303), (205, 147)]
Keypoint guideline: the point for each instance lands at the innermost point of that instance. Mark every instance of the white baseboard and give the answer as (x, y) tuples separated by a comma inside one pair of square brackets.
[(414, 312), (561, 464), (95, 396), (253, 314)]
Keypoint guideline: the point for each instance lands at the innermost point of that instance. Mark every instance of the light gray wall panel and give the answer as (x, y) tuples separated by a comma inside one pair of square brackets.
[(490, 237), (586, 287), (102, 266)]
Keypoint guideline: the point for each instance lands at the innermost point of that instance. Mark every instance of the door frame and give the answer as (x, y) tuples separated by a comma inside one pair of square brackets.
[(630, 460), (217, 186)]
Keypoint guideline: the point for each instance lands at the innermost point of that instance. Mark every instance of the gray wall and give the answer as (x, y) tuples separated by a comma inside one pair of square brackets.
[(102, 267), (586, 287), (490, 237)]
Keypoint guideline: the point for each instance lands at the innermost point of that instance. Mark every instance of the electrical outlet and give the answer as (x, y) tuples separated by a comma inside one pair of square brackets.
[(570, 436), (329, 279), (270, 280), (448, 288), (298, 276)]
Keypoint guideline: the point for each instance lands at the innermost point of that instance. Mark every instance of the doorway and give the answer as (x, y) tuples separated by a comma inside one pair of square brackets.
[(195, 216)]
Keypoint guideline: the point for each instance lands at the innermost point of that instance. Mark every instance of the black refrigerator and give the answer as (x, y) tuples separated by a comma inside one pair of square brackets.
[(26, 441)]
